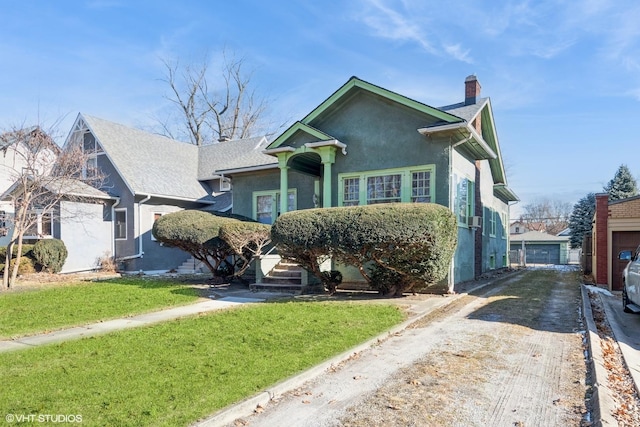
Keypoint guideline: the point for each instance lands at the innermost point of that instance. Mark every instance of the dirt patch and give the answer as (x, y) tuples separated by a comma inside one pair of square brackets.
[(505, 367), (619, 381)]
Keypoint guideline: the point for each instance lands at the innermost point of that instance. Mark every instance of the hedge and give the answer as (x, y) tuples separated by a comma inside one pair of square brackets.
[(225, 243), (397, 247)]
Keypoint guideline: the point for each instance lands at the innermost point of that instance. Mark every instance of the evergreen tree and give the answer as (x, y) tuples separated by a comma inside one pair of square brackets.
[(622, 185), (581, 218)]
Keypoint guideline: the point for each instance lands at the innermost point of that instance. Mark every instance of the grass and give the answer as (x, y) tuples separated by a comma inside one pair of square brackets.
[(65, 305), (177, 372), (526, 300)]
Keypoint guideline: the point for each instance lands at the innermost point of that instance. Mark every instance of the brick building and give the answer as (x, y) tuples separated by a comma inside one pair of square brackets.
[(616, 228)]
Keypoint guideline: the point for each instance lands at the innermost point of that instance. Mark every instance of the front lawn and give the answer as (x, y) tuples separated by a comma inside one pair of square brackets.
[(174, 373), (73, 304)]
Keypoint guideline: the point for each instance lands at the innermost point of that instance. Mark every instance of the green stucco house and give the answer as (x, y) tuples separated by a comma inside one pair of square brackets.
[(365, 144)]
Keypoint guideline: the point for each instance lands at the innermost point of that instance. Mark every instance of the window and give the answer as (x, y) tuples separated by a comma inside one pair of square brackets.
[(156, 216), (40, 225), (492, 223), (266, 205), (384, 189), (3, 223), (120, 224), (91, 149), (351, 191), (464, 207), (90, 168), (89, 144), (421, 187), (387, 186)]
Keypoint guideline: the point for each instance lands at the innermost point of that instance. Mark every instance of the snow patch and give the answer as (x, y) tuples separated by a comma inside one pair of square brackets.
[(592, 288)]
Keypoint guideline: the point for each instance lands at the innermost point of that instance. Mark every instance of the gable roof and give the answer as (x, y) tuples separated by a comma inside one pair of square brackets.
[(356, 83), (300, 127), (352, 86), (464, 111), (230, 155), (67, 186), (150, 164), (537, 236), (485, 146)]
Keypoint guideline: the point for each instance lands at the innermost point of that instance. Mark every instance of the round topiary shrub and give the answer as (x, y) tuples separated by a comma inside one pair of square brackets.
[(50, 254)]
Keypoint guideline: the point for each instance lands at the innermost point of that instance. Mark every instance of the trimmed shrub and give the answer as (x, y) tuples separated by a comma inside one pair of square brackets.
[(307, 238), (26, 266), (397, 247), (50, 254), (225, 243), (246, 239), (26, 251), (27, 263)]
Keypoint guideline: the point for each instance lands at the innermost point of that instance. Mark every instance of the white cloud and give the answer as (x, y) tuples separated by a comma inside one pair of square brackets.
[(456, 51), (406, 22), (391, 24)]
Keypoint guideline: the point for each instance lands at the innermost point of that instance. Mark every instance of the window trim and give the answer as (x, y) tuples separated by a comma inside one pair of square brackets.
[(115, 215), (406, 183), (40, 214)]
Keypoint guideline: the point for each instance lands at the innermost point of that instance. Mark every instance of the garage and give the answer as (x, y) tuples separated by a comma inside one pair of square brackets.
[(539, 248), (621, 241), (616, 228), (543, 254)]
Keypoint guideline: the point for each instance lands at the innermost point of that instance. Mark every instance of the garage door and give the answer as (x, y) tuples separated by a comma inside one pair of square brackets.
[(543, 254), (621, 241)]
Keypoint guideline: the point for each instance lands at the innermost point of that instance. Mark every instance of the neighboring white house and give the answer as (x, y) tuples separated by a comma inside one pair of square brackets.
[(15, 158)]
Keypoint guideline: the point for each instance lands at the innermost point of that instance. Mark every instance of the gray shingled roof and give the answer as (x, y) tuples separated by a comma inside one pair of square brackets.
[(149, 163), (60, 185), (537, 236), (466, 112), (75, 187), (232, 155)]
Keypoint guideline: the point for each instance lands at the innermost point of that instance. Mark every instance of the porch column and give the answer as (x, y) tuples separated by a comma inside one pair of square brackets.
[(328, 157), (284, 182)]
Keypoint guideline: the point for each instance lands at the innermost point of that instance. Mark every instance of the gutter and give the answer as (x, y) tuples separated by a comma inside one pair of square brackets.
[(248, 169), (140, 253), (461, 126)]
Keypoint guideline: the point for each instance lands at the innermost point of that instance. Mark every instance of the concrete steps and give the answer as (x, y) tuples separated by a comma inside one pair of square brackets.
[(191, 266), (284, 277)]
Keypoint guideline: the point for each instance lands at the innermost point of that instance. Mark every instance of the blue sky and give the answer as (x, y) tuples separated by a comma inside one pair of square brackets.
[(563, 76)]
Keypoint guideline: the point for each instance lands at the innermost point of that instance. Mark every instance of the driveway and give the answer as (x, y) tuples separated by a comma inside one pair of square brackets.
[(510, 354)]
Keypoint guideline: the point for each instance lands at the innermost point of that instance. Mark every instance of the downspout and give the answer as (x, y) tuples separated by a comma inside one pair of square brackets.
[(140, 253), (113, 236)]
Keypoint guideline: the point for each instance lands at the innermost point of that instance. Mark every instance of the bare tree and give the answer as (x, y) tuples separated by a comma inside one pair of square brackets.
[(208, 114), (551, 216), (42, 176)]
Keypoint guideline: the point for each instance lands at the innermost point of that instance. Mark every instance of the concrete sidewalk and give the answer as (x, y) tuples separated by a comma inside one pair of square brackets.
[(107, 326)]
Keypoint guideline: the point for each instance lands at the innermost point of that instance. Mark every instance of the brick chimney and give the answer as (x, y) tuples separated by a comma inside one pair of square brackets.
[(471, 90)]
